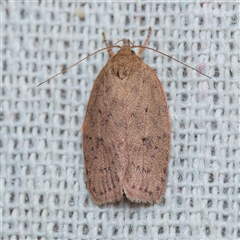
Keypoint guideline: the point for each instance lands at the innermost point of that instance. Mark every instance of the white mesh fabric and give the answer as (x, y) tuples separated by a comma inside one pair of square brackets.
[(43, 189)]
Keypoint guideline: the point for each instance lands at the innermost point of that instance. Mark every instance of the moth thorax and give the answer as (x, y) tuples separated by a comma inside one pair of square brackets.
[(122, 64)]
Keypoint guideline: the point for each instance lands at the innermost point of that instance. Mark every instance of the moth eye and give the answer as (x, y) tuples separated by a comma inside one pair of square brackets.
[(133, 52)]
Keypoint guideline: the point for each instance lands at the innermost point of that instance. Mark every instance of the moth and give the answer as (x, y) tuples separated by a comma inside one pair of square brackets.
[(126, 131)]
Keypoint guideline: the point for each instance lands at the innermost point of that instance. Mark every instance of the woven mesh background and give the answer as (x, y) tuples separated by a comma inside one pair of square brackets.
[(43, 191)]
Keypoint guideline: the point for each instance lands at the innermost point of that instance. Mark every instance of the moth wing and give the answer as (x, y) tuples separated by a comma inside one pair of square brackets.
[(99, 136), (148, 138)]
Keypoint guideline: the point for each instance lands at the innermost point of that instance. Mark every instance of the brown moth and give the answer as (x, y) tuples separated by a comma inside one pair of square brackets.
[(126, 131)]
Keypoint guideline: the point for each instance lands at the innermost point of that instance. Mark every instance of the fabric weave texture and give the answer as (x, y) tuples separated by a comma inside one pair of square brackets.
[(43, 190)]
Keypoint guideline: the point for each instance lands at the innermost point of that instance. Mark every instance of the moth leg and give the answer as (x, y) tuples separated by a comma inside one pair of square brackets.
[(110, 51), (145, 43)]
